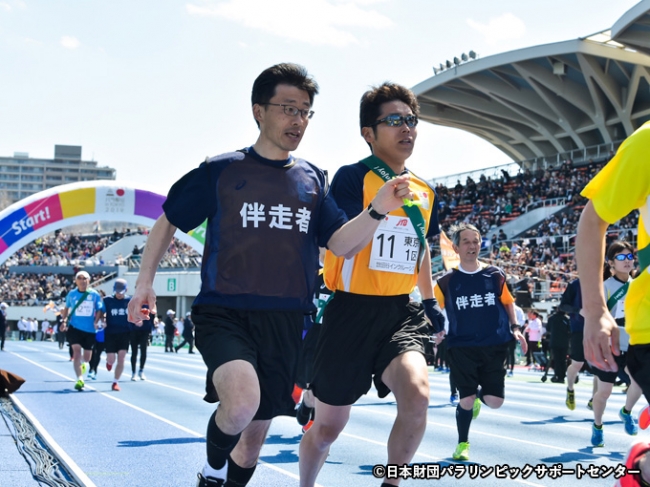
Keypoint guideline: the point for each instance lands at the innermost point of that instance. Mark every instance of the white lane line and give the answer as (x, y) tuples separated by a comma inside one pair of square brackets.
[(184, 391), (428, 457), (492, 435), (609, 415), (171, 371), (60, 453), (189, 364), (155, 416)]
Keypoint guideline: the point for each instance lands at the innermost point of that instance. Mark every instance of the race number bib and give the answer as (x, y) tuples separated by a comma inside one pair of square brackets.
[(86, 308), (395, 246)]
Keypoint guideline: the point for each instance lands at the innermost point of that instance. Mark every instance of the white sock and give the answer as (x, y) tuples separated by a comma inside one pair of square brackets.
[(222, 473)]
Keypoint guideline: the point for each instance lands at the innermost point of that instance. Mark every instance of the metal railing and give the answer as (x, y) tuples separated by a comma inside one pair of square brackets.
[(578, 157), (559, 201)]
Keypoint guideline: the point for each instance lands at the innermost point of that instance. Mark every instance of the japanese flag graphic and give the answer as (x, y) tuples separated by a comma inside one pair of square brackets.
[(423, 196)]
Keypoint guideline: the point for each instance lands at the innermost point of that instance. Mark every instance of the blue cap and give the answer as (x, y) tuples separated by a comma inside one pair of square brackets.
[(119, 287)]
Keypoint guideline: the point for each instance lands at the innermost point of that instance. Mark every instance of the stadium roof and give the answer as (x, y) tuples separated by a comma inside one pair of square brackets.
[(633, 28), (549, 99)]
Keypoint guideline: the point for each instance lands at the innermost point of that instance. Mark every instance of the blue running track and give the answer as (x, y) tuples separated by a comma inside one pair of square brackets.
[(151, 433)]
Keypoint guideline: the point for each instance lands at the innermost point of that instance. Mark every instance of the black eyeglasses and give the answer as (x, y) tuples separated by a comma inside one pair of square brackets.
[(622, 257), (293, 111), (397, 121)]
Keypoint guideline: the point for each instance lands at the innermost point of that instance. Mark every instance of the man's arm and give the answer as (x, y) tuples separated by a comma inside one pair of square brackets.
[(599, 323), (425, 283), (431, 308), (510, 311), (157, 243), (64, 320), (355, 234), (99, 315)]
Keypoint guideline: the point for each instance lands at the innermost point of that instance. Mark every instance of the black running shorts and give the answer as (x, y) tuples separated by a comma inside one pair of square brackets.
[(359, 337), (306, 361), (117, 341), (577, 351), (269, 340), (471, 367), (76, 336), (638, 363)]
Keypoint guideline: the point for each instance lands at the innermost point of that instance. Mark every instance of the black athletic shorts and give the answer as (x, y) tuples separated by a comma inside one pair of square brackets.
[(471, 367), (359, 337), (306, 360), (577, 351), (79, 337), (269, 340), (638, 363), (117, 341), (610, 377)]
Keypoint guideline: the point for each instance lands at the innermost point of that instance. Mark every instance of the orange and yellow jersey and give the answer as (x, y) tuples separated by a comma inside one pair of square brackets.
[(622, 186), (387, 266)]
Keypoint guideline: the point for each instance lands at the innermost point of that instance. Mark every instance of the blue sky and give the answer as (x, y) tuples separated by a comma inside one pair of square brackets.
[(153, 87)]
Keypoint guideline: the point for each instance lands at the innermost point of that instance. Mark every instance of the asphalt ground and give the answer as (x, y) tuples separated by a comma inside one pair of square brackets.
[(152, 432)]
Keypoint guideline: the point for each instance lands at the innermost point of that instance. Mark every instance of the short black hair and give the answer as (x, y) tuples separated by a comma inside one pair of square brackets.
[(456, 230), (373, 99), (282, 74)]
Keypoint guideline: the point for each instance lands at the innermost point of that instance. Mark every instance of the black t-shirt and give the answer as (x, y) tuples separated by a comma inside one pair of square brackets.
[(266, 220)]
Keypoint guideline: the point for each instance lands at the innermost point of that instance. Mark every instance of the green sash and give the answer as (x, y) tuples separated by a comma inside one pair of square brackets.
[(381, 169), (644, 261), (614, 298), (81, 300)]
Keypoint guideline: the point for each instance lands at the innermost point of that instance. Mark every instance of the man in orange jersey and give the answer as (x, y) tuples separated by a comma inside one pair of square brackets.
[(370, 328)]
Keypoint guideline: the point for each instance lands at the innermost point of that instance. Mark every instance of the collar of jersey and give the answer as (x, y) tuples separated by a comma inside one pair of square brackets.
[(271, 162)]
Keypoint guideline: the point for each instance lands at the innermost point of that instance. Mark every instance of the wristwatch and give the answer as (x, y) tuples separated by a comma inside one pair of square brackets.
[(374, 214)]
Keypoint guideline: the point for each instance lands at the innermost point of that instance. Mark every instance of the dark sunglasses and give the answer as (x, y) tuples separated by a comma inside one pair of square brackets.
[(397, 121), (622, 257)]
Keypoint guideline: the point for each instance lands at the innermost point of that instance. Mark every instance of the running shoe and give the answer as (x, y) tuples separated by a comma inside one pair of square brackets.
[(307, 426), (134, 377), (590, 404), (476, 409), (141, 375), (462, 451), (510, 373), (92, 375), (303, 414), (597, 436), (79, 385), (631, 463), (115, 387), (84, 367), (644, 418), (453, 400), (631, 428), (109, 366), (209, 482), (570, 399)]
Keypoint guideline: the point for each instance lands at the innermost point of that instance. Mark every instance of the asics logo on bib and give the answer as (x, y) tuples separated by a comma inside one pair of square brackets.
[(402, 223)]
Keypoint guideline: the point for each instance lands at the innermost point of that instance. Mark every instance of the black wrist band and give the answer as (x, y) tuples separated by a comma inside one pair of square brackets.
[(514, 327), (373, 213)]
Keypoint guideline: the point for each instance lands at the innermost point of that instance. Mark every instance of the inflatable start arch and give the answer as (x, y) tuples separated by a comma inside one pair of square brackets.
[(83, 202)]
